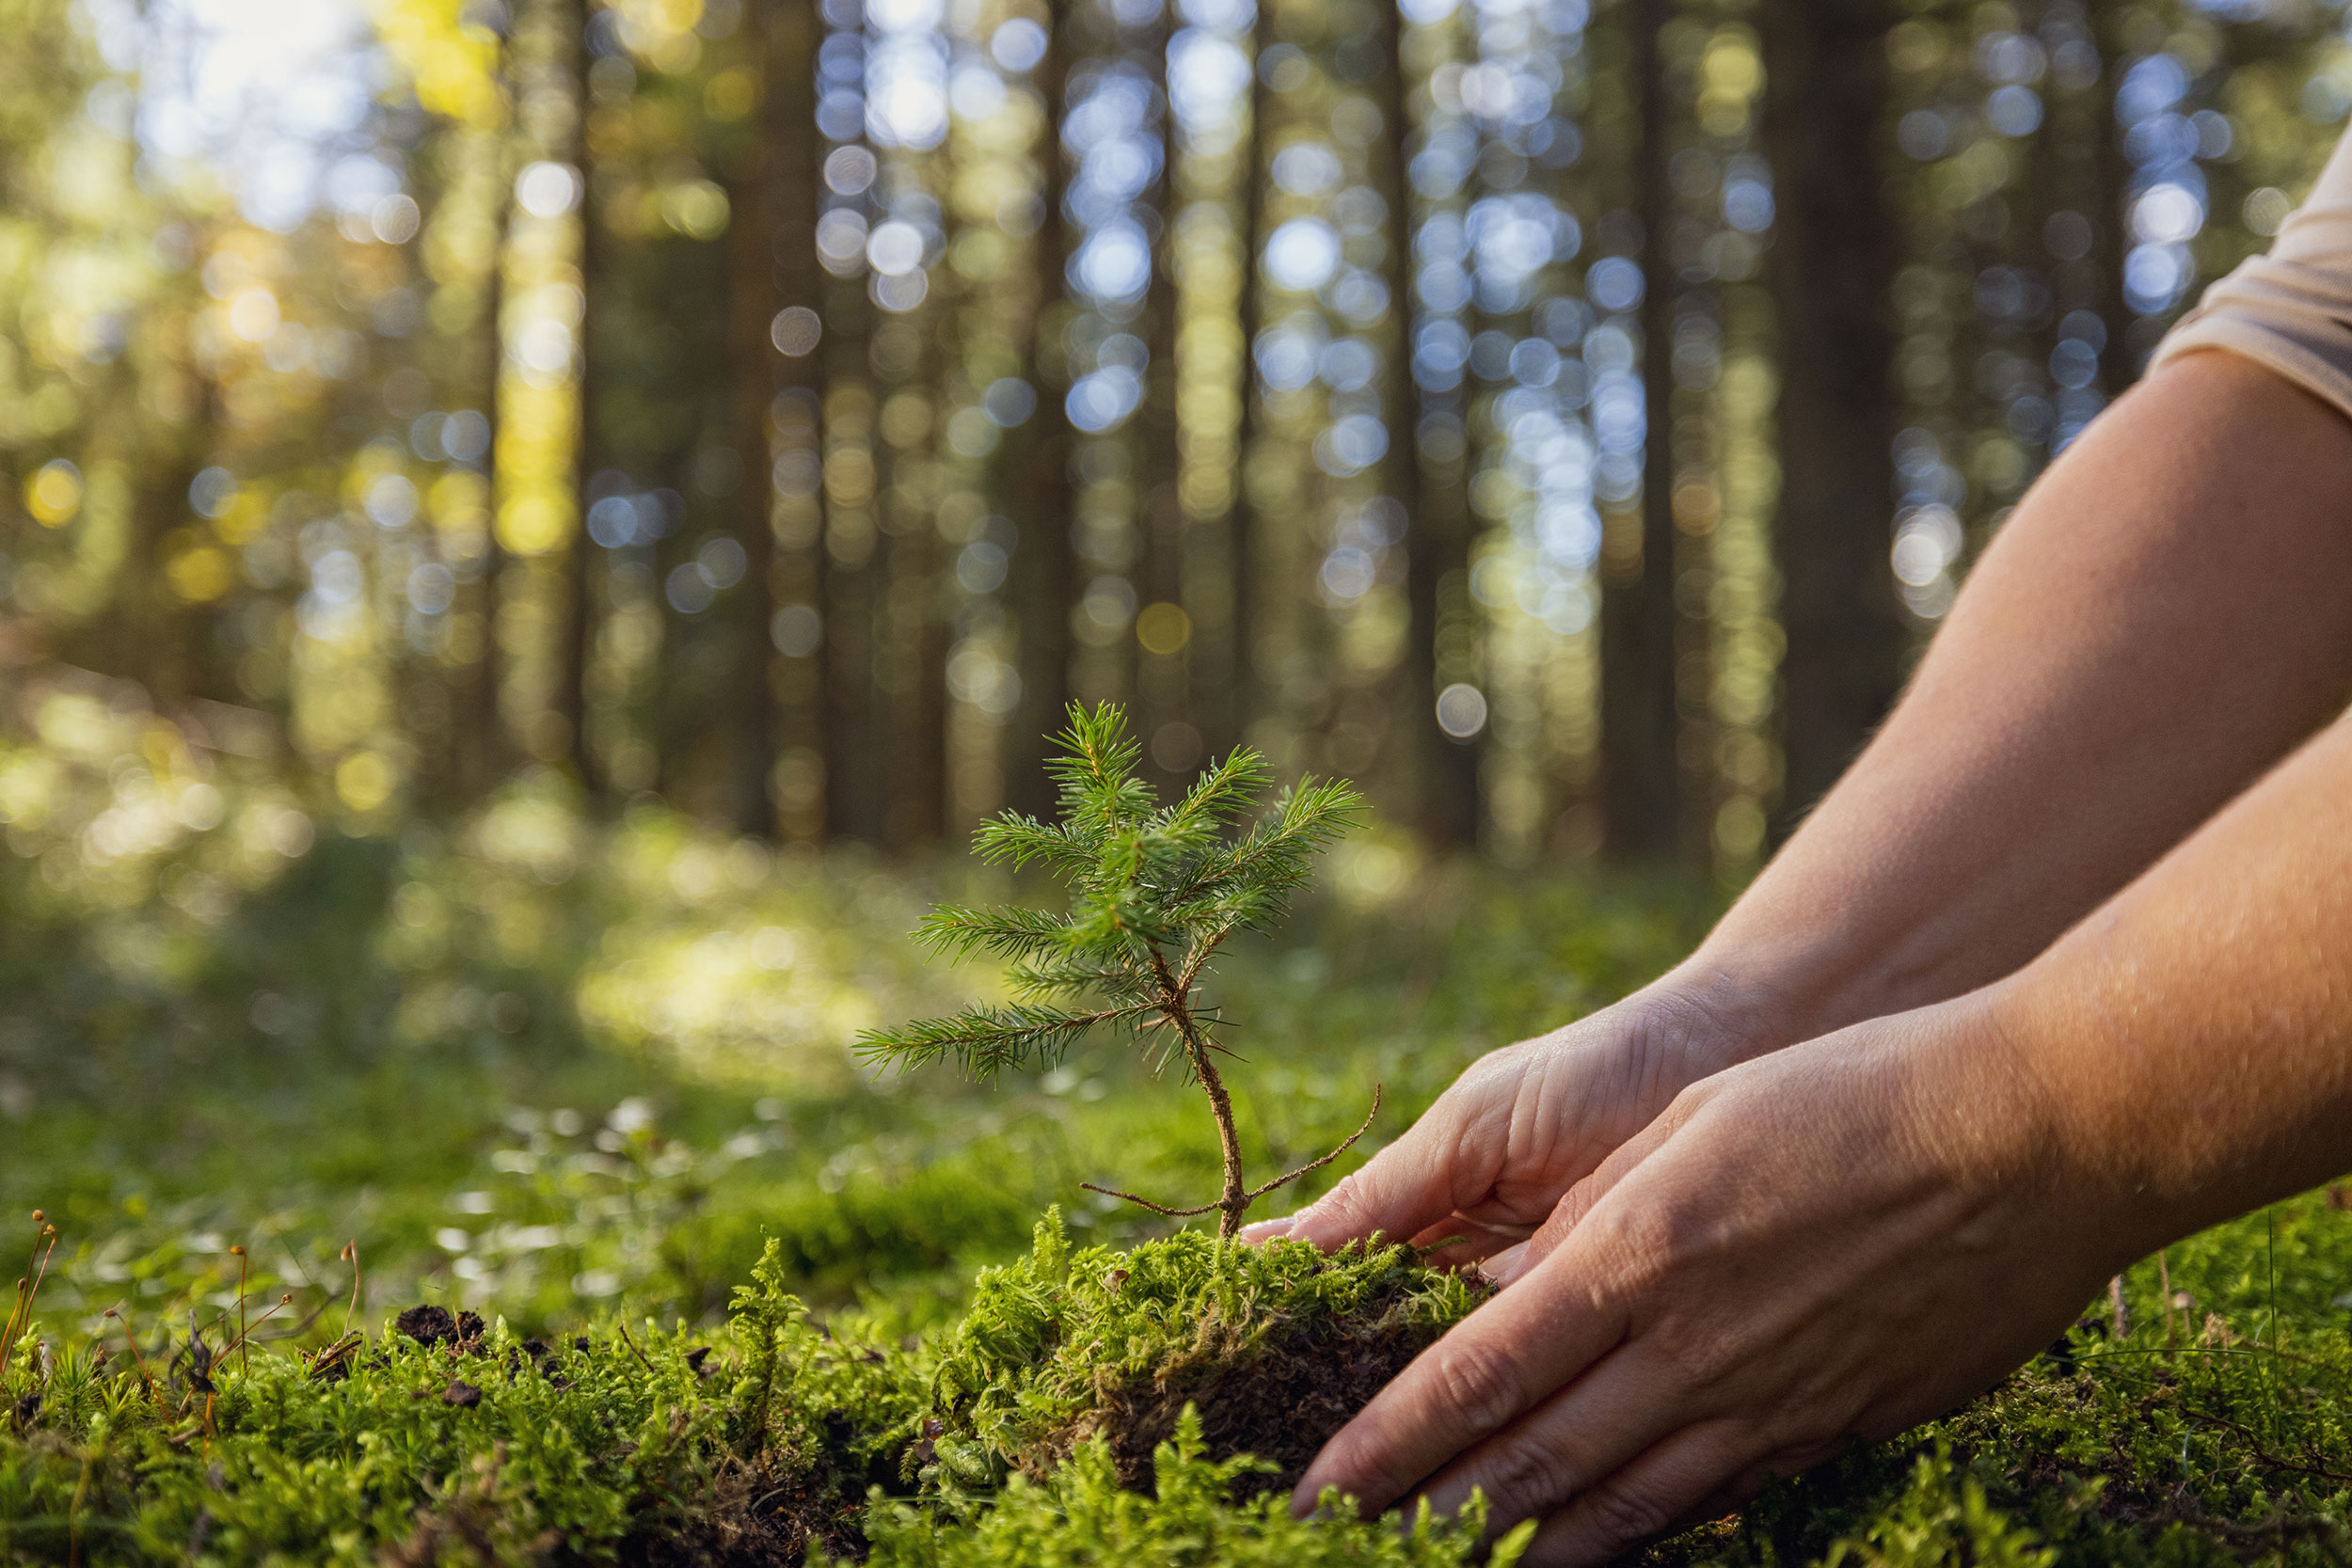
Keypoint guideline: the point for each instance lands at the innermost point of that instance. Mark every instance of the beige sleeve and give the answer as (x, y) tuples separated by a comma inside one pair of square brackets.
[(2291, 309)]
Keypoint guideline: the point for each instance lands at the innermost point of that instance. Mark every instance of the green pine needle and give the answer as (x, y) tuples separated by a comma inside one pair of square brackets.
[(1154, 890)]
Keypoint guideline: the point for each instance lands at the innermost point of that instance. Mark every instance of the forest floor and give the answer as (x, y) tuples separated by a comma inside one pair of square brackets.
[(574, 1075)]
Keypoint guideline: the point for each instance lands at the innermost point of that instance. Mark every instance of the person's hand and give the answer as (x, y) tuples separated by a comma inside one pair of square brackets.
[(1491, 1158), (1827, 1243)]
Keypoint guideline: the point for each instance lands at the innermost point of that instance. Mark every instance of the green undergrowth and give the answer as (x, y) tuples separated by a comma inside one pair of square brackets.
[(442, 1438), (575, 1073), (2215, 1428), (1082, 1514)]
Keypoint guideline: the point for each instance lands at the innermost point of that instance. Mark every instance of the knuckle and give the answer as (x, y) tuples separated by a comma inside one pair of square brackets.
[(1622, 1515), (1491, 1079), (1651, 1240), (1523, 1480), (1479, 1383), (1353, 1465), (1699, 1358), (1346, 1201)]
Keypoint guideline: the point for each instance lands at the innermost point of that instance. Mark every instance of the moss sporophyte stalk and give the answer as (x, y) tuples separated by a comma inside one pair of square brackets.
[(1155, 893)]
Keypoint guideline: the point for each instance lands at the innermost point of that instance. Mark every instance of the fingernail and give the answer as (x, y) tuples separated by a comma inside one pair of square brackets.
[(1268, 1231), (1505, 1266)]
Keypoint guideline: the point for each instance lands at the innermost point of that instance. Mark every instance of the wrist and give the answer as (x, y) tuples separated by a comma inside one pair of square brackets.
[(1711, 1014), (2059, 1149), (1734, 1006)]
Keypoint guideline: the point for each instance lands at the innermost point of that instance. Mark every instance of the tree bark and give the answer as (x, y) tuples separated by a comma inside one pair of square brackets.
[(1640, 794), (1832, 265), (753, 303), (1162, 694), (798, 570), (1241, 696), (1437, 536), (579, 563)]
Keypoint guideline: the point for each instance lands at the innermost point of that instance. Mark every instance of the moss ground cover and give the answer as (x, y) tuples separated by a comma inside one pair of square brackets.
[(1276, 1346), (732, 1294)]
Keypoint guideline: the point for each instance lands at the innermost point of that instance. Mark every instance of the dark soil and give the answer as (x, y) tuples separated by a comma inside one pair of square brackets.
[(438, 1325), (746, 1514), (1282, 1404)]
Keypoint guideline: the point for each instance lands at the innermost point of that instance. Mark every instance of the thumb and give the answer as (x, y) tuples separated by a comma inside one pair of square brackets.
[(1415, 1182)]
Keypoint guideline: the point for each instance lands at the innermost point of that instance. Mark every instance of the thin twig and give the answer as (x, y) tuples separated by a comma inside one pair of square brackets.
[(2254, 1441), (351, 1255), (245, 1335), (635, 1352), (1147, 1203), (2164, 1288), (245, 1360), (1257, 1193), (137, 1355)]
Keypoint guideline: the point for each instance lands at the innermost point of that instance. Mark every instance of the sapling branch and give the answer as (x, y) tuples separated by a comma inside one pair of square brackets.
[(1146, 881), (1255, 1192), (1316, 1164), (1155, 1208)]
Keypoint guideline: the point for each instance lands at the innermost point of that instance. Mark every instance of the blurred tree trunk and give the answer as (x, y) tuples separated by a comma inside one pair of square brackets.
[(912, 647), (2111, 239), (1832, 262), (1045, 579), (481, 756), (1641, 798), (160, 640), (1162, 693), (1241, 697), (853, 783), (755, 202), (580, 561), (797, 568), (1436, 519)]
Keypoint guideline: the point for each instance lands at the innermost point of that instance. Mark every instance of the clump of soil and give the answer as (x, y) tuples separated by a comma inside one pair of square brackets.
[(1280, 1403), (438, 1325), (1276, 1346), (755, 1513)]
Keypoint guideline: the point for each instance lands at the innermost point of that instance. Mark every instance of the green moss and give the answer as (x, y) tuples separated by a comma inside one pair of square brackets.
[(1277, 1344), (1082, 1516), (2223, 1434), (617, 1443), (159, 1125)]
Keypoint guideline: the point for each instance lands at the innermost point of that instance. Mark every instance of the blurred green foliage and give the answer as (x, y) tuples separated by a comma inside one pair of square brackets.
[(249, 1064)]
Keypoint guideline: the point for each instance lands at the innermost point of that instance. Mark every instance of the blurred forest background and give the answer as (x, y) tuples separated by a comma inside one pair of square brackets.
[(1566, 417), (530, 533)]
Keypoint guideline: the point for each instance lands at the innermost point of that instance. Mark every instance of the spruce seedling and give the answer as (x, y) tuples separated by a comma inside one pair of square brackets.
[(1156, 892)]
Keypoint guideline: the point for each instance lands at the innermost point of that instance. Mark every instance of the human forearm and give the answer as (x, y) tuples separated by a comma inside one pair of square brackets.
[(1844, 1237), (2161, 620), (2192, 1040)]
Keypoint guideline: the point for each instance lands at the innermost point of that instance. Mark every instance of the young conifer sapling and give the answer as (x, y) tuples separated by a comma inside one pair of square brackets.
[(1156, 892)]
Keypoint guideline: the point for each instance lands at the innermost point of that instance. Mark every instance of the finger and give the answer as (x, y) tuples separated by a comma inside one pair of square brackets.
[(1459, 1240), (1511, 1264), (1749, 1484), (1426, 1176), (1508, 1265), (1628, 1402), (1663, 1486), (1485, 1373)]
